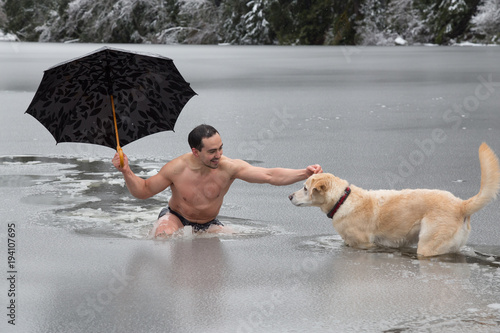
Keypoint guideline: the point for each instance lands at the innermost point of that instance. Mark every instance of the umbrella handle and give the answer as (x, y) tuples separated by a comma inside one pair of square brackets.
[(118, 148), (120, 152)]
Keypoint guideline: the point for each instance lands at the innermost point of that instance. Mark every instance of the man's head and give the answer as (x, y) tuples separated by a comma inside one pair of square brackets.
[(206, 144), (196, 136)]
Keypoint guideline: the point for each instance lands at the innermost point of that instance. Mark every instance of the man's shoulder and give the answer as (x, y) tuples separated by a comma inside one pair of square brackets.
[(182, 158), (233, 165), (177, 164), (226, 161)]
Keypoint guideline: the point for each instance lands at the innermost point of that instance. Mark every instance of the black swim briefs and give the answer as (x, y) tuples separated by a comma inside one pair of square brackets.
[(196, 226)]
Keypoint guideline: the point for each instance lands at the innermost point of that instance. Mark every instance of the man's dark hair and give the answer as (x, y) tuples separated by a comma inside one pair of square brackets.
[(199, 133)]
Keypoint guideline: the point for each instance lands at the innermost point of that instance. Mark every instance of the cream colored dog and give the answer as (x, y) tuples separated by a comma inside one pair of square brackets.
[(438, 221)]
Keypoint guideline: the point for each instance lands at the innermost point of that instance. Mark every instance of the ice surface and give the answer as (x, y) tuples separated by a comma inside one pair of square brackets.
[(87, 263)]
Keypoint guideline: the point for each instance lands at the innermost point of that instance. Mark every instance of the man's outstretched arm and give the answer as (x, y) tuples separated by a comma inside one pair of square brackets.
[(273, 176), (137, 186)]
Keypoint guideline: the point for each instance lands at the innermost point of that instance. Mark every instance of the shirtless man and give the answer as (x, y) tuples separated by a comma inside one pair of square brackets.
[(199, 180)]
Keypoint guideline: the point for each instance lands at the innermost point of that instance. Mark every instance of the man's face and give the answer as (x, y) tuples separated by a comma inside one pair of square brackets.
[(211, 152)]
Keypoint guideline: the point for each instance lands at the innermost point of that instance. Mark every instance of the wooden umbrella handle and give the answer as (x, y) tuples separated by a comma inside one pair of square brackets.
[(120, 152), (118, 148)]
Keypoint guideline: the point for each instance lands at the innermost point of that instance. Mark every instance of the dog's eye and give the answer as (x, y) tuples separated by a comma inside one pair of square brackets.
[(305, 189)]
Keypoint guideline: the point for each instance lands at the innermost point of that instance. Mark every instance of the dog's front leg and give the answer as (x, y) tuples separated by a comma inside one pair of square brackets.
[(356, 243), (365, 246)]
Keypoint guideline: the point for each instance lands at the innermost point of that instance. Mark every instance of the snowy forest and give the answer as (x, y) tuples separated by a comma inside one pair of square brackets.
[(253, 22)]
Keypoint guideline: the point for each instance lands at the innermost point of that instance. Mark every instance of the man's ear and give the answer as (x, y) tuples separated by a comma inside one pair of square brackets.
[(196, 152)]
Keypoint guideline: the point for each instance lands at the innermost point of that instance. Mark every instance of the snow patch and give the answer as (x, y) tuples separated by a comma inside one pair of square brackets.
[(400, 41), (8, 37), (495, 306)]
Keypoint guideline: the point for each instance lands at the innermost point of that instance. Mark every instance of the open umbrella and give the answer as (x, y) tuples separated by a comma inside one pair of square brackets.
[(76, 99)]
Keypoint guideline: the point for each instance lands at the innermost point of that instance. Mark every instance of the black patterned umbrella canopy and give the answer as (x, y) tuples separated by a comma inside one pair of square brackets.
[(77, 99)]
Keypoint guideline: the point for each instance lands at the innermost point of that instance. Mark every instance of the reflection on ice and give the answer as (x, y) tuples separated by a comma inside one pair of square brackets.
[(450, 282), (334, 243), (472, 320), (329, 243), (438, 294)]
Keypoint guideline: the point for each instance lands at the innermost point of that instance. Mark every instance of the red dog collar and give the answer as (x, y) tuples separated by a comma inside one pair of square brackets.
[(339, 203)]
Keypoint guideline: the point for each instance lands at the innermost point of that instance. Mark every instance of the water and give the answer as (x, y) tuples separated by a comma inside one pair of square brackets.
[(95, 202), (379, 117)]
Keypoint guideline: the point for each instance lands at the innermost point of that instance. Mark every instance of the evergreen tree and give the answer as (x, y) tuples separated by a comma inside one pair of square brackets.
[(281, 21), (372, 28), (3, 16), (486, 21), (314, 18), (314, 22), (233, 24), (405, 20), (304, 22), (24, 16), (447, 20), (256, 25)]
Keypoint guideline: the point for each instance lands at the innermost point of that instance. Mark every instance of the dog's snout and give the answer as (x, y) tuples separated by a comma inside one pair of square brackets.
[(290, 197)]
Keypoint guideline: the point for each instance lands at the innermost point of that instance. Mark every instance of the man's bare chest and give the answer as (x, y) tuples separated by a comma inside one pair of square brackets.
[(193, 187)]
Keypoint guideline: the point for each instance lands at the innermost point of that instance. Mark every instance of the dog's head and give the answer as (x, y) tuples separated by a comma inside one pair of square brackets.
[(319, 189)]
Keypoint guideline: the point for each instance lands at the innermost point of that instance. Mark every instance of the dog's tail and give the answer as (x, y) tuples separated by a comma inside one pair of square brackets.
[(490, 181)]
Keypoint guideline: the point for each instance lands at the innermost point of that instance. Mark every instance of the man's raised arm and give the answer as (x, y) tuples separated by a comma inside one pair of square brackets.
[(137, 186)]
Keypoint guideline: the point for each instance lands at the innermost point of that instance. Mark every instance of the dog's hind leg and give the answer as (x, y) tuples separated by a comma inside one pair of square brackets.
[(437, 238)]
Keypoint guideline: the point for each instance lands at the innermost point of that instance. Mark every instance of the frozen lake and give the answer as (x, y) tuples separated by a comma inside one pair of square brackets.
[(83, 262)]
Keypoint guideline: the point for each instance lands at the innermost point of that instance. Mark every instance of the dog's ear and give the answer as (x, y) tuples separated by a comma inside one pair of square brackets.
[(321, 185)]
